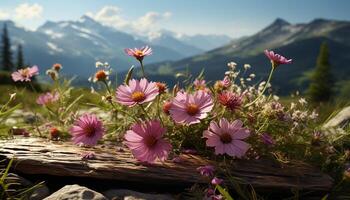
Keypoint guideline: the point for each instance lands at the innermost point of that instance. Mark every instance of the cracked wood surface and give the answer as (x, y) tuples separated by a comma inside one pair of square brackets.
[(41, 156)]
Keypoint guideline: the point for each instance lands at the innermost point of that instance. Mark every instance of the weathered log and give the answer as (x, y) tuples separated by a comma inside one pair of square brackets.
[(40, 156)]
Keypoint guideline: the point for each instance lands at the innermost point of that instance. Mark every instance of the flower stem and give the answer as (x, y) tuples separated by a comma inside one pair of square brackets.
[(144, 110), (143, 70), (158, 111), (262, 92)]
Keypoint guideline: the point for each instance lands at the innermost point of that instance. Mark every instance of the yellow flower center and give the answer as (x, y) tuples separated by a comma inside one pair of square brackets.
[(138, 96), (192, 109), (139, 53), (25, 72)]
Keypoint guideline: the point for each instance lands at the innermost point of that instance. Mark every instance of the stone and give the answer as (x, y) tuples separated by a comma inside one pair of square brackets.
[(123, 194), (76, 192), (339, 120)]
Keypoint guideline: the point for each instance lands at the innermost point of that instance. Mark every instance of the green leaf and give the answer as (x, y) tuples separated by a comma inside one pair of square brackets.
[(128, 75), (224, 193)]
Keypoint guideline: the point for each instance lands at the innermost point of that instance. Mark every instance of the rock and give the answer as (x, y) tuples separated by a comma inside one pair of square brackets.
[(121, 194), (37, 194), (75, 192), (340, 120)]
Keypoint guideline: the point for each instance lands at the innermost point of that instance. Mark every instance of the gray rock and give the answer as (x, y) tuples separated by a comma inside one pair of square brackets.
[(121, 194), (37, 194), (340, 120), (75, 192)]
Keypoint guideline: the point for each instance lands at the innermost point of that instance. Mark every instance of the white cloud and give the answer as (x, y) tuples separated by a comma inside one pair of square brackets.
[(111, 16), (27, 11), (4, 15)]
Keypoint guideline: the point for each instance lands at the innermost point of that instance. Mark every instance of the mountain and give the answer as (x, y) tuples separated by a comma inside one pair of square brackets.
[(298, 41), (168, 39), (205, 42), (77, 45)]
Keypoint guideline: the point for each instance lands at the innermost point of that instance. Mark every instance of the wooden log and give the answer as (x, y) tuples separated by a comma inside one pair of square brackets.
[(40, 156)]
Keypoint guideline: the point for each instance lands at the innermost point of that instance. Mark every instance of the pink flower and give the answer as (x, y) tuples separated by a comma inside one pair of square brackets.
[(137, 92), (199, 84), (230, 100), (145, 140), (190, 109), (226, 82), (139, 54), (166, 107), (47, 98), (25, 74), (277, 59), (88, 156), (207, 170), (87, 130), (227, 137), (267, 139), (216, 181)]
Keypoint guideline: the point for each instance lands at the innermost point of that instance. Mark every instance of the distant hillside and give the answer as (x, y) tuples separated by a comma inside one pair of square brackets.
[(298, 41), (79, 44)]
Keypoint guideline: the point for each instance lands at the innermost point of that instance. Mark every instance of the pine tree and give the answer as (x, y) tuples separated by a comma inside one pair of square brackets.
[(320, 89), (20, 59), (6, 54)]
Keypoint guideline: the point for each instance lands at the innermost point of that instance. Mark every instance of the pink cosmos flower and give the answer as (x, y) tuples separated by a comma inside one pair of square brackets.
[(277, 59), (47, 98), (139, 54), (191, 108), (199, 84), (207, 170), (227, 137), (87, 130), (145, 140), (137, 92), (230, 100), (226, 82), (25, 74)]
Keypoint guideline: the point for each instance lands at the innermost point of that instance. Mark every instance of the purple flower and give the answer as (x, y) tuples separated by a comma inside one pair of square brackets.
[(47, 98), (207, 170), (191, 108), (267, 139), (217, 181), (277, 59), (230, 100), (146, 141), (227, 138), (25, 74), (137, 92), (87, 130), (88, 155), (139, 54)]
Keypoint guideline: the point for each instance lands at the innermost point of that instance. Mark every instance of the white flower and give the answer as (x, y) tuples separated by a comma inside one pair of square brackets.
[(99, 64), (12, 96), (246, 66), (314, 115), (276, 98), (302, 101), (232, 65), (252, 75), (248, 79), (292, 105)]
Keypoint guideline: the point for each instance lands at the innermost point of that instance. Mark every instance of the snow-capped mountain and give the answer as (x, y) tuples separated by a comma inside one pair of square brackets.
[(79, 44)]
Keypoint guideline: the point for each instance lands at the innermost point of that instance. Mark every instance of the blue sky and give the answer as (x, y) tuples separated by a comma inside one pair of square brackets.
[(231, 17)]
